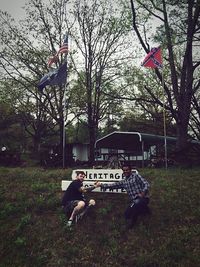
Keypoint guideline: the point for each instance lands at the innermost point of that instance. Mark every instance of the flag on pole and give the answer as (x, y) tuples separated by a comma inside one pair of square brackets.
[(153, 59), (64, 48), (54, 77)]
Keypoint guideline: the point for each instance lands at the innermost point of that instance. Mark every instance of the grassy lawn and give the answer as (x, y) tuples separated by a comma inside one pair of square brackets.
[(33, 231)]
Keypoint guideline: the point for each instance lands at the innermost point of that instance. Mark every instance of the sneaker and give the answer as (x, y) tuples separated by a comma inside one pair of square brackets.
[(69, 223)]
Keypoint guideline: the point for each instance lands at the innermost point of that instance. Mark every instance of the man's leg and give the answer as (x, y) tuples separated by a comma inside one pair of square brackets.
[(131, 215), (144, 207), (77, 209), (90, 204), (133, 211)]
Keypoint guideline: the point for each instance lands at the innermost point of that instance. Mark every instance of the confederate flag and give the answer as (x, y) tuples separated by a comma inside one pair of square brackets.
[(153, 59)]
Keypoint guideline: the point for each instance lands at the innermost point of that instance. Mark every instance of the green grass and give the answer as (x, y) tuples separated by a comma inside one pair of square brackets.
[(33, 231)]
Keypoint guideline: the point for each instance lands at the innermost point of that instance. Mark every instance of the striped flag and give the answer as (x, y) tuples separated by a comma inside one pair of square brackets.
[(64, 48), (153, 59)]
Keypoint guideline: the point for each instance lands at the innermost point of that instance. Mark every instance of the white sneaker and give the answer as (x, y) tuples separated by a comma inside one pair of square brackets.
[(69, 223)]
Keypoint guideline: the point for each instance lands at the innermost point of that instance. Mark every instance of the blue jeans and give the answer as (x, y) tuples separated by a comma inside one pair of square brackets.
[(140, 207)]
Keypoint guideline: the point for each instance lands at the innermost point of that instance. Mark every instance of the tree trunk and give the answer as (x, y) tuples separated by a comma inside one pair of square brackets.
[(182, 145), (92, 144), (181, 148), (36, 145)]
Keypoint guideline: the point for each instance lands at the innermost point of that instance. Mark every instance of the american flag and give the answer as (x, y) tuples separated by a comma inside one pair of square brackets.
[(64, 48)]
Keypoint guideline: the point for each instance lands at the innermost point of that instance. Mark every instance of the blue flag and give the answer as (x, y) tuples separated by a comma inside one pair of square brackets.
[(54, 77)]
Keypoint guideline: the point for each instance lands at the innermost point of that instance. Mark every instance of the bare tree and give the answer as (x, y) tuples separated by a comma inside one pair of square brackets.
[(99, 33)]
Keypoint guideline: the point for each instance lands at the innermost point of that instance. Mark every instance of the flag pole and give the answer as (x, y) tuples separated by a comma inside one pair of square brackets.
[(58, 76), (154, 60), (64, 114), (64, 120), (164, 120)]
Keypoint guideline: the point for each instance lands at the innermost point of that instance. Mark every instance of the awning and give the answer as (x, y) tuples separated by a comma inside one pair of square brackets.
[(134, 141)]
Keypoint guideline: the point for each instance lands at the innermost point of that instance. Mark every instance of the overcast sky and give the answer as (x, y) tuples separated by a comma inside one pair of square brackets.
[(13, 7)]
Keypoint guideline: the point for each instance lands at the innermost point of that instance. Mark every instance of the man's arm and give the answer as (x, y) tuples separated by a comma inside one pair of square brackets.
[(85, 189), (145, 185), (116, 185)]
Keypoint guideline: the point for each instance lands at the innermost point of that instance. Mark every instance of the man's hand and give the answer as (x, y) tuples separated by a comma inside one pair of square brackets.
[(142, 194), (97, 184), (90, 188)]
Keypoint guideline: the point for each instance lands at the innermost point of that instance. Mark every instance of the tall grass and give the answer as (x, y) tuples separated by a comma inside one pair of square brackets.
[(33, 230)]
